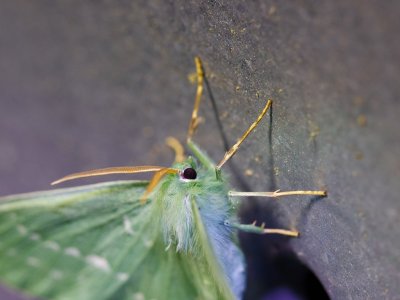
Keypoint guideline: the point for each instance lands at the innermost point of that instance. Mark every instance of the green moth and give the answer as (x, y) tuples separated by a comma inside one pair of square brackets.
[(173, 237)]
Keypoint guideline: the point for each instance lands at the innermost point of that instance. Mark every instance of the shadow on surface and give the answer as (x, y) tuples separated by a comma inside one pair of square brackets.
[(274, 272)]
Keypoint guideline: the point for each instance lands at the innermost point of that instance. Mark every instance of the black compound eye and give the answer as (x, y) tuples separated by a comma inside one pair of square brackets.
[(189, 173)]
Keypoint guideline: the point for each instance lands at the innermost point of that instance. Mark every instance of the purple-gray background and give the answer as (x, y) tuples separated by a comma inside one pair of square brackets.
[(89, 84)]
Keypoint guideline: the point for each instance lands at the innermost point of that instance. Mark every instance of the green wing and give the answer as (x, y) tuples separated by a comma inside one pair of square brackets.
[(95, 242)]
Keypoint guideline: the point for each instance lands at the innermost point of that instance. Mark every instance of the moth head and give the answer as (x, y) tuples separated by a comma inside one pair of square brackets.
[(188, 174), (187, 169)]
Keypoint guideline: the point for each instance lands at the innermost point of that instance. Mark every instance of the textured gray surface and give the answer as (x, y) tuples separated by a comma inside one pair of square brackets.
[(92, 84)]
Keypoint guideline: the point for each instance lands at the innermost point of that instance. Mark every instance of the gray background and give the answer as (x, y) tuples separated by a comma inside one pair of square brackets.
[(89, 84)]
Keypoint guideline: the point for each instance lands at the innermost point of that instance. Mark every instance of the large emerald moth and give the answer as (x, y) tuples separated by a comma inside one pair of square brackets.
[(173, 237)]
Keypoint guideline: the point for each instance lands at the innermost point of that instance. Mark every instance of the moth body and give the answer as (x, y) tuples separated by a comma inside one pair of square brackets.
[(178, 197)]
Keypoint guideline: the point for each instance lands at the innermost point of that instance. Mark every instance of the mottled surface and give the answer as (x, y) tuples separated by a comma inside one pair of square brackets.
[(92, 84)]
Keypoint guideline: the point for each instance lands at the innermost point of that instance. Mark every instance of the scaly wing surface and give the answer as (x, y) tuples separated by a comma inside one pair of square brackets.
[(95, 242)]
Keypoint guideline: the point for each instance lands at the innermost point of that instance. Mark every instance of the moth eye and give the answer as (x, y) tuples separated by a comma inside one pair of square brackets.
[(189, 173)]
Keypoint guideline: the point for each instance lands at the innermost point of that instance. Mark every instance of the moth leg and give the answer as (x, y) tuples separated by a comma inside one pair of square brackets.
[(200, 155), (112, 170), (177, 147), (195, 120), (236, 146), (253, 228), (154, 181), (277, 194)]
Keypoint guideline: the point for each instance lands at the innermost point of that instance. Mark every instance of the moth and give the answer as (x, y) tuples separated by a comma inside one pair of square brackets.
[(172, 237)]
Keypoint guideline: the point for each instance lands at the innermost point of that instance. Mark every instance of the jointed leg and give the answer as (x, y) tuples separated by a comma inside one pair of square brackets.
[(262, 230), (235, 147), (112, 170), (277, 194), (154, 181), (255, 229), (177, 147), (200, 155), (194, 122)]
